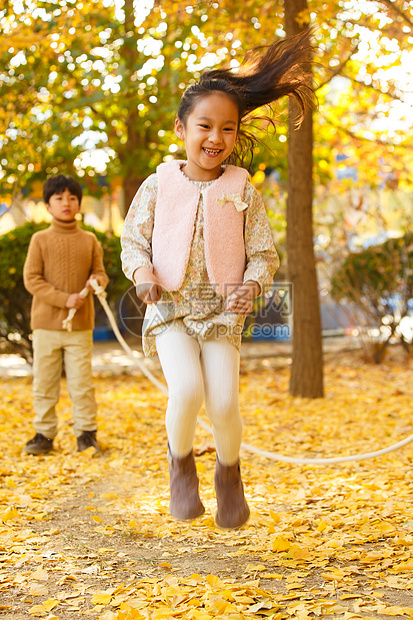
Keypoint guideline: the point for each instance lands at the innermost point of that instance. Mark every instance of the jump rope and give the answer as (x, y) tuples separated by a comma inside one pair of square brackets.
[(138, 360)]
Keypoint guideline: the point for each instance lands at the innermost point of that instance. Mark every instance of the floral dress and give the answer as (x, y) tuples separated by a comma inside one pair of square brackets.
[(196, 307)]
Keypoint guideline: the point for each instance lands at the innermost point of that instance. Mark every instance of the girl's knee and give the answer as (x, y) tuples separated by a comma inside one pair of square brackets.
[(185, 399), (224, 411)]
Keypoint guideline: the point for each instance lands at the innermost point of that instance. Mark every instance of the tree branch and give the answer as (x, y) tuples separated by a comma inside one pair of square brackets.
[(340, 67), (358, 138), (372, 87), (393, 7)]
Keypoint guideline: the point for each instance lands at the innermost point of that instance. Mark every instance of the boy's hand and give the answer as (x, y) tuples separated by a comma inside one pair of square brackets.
[(241, 300), (75, 301), (88, 284), (148, 288)]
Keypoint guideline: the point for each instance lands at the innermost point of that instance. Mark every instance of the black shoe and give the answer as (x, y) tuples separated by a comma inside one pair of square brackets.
[(38, 445), (87, 440)]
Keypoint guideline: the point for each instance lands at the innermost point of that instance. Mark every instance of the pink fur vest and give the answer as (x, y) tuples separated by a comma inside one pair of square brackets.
[(175, 214)]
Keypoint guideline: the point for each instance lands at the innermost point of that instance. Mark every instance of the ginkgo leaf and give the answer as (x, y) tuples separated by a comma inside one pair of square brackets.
[(37, 610), (37, 589), (50, 604), (9, 514), (40, 575), (280, 544), (101, 598)]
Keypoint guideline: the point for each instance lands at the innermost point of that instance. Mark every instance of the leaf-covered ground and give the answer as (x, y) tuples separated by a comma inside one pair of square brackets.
[(90, 537)]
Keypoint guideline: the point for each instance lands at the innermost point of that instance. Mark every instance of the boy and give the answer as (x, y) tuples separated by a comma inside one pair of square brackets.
[(60, 261)]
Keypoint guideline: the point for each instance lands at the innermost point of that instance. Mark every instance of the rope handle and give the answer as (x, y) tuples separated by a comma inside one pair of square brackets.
[(67, 322), (97, 289)]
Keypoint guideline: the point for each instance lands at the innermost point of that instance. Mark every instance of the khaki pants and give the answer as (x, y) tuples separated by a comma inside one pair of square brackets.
[(49, 347)]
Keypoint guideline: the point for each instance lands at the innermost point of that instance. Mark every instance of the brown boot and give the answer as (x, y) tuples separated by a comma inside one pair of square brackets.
[(183, 483), (233, 509)]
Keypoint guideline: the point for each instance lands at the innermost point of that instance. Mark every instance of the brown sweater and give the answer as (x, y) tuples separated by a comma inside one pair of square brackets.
[(59, 262)]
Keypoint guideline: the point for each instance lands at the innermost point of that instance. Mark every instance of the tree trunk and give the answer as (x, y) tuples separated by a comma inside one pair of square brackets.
[(307, 361), (128, 154), (131, 184)]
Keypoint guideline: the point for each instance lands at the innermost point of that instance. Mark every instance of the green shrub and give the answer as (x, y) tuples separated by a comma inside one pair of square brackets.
[(15, 301), (379, 282)]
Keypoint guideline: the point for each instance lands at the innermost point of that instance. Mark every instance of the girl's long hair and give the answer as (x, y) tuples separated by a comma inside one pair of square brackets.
[(266, 75)]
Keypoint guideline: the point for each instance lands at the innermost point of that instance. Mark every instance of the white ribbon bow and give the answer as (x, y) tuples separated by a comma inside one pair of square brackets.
[(235, 199)]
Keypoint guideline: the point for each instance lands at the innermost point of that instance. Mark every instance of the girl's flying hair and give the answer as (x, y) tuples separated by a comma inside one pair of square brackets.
[(266, 74)]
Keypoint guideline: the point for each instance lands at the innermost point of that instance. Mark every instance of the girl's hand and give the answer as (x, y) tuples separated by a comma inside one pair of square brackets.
[(241, 301), (148, 288)]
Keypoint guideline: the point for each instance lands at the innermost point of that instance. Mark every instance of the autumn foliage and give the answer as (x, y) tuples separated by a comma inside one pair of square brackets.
[(88, 537)]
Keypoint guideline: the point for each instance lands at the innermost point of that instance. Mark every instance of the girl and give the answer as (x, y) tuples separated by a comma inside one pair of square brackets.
[(197, 245)]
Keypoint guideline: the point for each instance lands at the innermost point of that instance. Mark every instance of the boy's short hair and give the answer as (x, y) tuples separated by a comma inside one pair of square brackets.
[(58, 184)]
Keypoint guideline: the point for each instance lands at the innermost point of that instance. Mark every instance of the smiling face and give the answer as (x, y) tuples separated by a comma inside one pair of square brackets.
[(63, 206), (209, 133)]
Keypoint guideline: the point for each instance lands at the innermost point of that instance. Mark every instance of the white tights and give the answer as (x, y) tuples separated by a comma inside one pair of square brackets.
[(193, 370)]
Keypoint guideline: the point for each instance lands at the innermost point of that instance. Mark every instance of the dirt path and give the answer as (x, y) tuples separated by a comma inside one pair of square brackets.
[(73, 557)]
